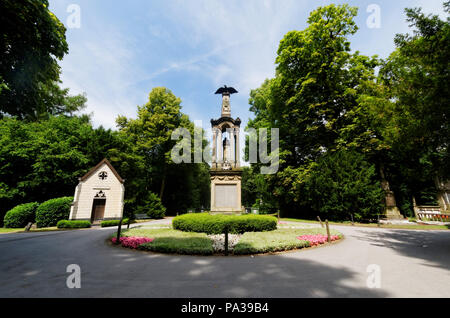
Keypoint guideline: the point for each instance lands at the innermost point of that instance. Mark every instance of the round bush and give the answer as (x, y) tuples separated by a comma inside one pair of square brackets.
[(52, 211), (217, 224), (73, 224), (19, 216)]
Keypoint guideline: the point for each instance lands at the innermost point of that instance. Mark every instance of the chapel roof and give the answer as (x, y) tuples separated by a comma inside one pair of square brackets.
[(94, 169)]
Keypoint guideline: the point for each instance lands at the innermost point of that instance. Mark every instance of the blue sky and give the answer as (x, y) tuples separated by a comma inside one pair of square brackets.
[(125, 48)]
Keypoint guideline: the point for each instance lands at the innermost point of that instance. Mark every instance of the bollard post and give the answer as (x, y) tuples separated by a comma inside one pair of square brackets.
[(119, 229), (321, 224), (328, 231), (351, 214), (278, 214), (226, 240)]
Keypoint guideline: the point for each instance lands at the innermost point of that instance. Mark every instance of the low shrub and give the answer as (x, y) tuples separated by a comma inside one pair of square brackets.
[(73, 224), (152, 206), (20, 215), (132, 241), (216, 224), (52, 211), (108, 223), (317, 239)]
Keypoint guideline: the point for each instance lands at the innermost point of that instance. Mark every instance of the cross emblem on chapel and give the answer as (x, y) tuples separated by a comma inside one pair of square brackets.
[(103, 175)]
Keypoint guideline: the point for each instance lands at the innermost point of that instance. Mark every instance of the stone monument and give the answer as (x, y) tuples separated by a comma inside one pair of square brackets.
[(225, 169), (391, 211)]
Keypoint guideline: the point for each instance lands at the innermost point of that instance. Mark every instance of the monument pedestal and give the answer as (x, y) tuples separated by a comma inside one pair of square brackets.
[(226, 191)]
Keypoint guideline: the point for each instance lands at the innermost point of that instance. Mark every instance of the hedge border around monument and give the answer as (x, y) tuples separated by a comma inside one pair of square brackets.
[(109, 223), (218, 224), (19, 216)]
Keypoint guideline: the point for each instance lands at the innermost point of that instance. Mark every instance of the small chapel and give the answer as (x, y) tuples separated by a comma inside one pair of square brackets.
[(99, 195), (225, 172)]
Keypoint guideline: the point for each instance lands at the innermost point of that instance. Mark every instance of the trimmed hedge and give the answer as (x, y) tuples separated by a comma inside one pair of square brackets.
[(216, 224), (108, 223), (20, 215), (52, 211), (73, 224)]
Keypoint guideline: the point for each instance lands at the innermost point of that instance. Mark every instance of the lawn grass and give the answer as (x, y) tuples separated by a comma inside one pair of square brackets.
[(275, 241), (173, 241), (388, 226), (43, 229), (8, 230)]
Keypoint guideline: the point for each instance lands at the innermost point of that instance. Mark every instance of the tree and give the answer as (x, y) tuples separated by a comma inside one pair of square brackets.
[(340, 185), (178, 185), (314, 98), (410, 111), (31, 43), (43, 160)]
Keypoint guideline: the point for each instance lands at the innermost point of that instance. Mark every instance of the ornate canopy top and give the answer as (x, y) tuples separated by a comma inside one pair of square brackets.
[(216, 122)]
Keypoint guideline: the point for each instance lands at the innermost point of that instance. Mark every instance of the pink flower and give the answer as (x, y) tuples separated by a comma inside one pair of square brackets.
[(132, 241), (317, 238)]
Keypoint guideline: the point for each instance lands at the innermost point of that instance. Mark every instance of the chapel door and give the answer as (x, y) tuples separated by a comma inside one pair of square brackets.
[(98, 210)]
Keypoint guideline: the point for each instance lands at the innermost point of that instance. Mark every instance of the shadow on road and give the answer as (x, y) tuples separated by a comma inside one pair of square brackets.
[(430, 246), (37, 268)]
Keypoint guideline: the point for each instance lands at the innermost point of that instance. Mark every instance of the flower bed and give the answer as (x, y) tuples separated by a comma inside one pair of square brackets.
[(132, 241), (179, 242), (317, 239)]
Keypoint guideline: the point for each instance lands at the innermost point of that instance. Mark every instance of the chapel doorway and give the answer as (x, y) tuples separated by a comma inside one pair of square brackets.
[(98, 210)]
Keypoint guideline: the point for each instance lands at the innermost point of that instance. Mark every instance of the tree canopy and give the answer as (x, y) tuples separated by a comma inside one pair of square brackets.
[(330, 103), (32, 42)]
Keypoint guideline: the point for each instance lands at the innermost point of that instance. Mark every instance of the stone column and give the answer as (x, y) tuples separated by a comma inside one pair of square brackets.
[(232, 150), (220, 150), (238, 153), (214, 148)]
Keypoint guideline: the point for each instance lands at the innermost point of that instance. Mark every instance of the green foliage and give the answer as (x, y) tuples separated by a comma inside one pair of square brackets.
[(42, 160), (52, 211), (73, 224), (152, 206), (19, 216), (32, 42), (410, 110), (172, 241), (216, 224), (108, 223), (314, 100), (255, 191), (275, 241), (147, 162), (325, 99), (339, 185)]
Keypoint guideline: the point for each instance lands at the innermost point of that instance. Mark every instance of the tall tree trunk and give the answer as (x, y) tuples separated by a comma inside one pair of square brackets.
[(163, 185)]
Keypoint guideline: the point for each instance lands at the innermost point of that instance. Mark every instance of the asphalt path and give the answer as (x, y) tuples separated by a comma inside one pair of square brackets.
[(369, 262)]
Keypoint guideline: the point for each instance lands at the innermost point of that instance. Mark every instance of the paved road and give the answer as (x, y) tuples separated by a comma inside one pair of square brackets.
[(412, 264)]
